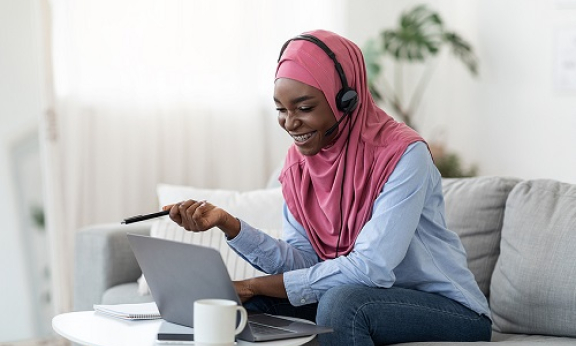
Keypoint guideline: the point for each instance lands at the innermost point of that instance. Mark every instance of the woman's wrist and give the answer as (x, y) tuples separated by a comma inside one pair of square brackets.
[(268, 285), (230, 225)]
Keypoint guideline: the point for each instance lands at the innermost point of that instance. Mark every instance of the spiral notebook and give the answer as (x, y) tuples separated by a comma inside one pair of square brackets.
[(144, 311)]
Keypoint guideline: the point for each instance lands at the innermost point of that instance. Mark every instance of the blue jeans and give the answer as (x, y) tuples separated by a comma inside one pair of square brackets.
[(374, 316)]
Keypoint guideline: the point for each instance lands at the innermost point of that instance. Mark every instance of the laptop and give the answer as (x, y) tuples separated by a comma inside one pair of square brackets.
[(180, 273)]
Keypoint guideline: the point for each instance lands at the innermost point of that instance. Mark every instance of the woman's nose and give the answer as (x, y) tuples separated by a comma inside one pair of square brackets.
[(291, 122)]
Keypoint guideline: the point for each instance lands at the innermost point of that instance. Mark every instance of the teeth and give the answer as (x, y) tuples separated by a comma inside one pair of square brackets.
[(302, 138)]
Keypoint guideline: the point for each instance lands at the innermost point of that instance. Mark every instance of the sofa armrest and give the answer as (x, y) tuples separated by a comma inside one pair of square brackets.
[(103, 259)]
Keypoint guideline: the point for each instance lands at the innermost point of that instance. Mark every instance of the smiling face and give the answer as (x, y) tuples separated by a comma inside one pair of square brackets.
[(305, 114)]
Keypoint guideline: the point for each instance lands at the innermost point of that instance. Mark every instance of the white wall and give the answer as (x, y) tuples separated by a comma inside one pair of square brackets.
[(511, 120), (20, 90)]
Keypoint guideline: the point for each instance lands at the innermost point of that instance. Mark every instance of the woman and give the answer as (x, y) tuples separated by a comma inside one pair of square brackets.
[(365, 248)]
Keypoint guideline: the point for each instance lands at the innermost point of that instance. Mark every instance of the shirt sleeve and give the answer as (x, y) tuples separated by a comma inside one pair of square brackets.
[(275, 256), (383, 241)]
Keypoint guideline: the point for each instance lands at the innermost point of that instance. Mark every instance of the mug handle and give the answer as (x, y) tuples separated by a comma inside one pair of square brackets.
[(243, 319)]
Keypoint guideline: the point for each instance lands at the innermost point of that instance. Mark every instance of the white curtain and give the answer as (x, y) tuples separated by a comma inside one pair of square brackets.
[(161, 91)]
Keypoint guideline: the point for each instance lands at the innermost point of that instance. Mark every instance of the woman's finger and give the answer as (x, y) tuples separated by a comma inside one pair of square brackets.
[(175, 214), (182, 209), (190, 208), (204, 215)]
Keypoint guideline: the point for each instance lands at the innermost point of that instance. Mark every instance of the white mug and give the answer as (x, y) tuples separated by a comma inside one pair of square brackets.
[(215, 321)]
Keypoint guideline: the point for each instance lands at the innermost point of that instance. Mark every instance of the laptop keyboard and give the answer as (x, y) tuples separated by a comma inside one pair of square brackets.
[(262, 329)]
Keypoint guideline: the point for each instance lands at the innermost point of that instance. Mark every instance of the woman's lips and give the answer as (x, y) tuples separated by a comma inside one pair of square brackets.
[(303, 138)]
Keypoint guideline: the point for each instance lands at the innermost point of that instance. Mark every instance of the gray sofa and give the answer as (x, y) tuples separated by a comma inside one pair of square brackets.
[(520, 238)]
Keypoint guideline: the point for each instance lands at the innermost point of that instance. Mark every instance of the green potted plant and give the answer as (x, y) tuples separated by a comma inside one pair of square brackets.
[(418, 39)]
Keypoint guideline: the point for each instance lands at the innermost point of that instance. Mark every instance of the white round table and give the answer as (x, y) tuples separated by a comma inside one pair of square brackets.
[(93, 329)]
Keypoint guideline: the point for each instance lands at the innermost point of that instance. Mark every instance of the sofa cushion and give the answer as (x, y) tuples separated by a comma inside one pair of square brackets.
[(534, 282), (529, 340), (260, 208), (475, 211)]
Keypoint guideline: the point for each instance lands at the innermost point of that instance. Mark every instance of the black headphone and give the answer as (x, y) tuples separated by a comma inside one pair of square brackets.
[(346, 98)]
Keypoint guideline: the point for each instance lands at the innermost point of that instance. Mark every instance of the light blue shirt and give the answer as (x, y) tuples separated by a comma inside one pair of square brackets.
[(404, 244)]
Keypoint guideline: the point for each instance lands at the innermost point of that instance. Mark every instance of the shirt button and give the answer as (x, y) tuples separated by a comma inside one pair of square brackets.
[(302, 300)]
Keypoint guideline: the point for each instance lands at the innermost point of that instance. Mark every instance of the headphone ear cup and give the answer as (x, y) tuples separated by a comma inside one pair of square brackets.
[(347, 100)]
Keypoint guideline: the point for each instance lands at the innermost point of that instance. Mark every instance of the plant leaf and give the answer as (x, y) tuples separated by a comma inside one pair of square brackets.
[(374, 91), (418, 35), (372, 60), (462, 50)]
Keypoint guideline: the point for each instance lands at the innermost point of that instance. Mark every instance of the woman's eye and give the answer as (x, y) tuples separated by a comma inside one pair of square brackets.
[(305, 109), (281, 110)]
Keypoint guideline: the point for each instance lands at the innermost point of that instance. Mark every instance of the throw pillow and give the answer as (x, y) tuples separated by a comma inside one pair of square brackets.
[(260, 208), (535, 277), (475, 211)]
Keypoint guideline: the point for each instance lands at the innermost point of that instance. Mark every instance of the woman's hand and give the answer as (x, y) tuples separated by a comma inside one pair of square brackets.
[(267, 285), (244, 290), (195, 216), (199, 216)]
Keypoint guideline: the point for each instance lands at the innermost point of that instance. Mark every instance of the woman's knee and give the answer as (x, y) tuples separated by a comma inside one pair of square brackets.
[(336, 305), (342, 309)]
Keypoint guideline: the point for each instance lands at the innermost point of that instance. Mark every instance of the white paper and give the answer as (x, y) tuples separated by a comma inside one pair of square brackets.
[(144, 311)]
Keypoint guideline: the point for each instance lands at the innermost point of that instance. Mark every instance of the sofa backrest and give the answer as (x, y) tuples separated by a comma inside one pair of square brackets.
[(475, 211), (533, 288)]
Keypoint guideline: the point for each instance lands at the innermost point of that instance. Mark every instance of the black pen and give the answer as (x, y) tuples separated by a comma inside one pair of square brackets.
[(145, 217)]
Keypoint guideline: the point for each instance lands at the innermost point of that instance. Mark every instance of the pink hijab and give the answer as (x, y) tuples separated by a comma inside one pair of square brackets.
[(314, 187)]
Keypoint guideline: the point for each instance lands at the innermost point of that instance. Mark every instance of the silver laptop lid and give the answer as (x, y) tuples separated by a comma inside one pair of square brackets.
[(179, 274)]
